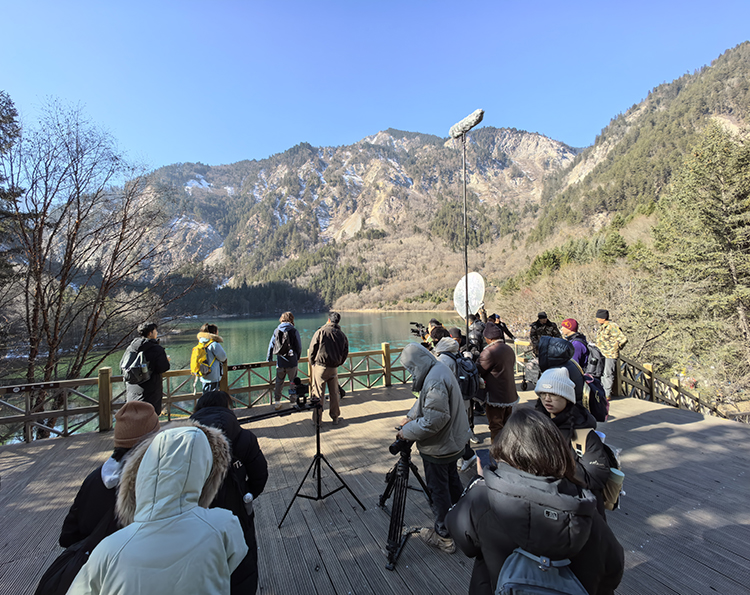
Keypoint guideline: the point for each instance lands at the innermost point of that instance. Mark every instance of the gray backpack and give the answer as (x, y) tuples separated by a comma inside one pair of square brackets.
[(526, 574), (134, 367)]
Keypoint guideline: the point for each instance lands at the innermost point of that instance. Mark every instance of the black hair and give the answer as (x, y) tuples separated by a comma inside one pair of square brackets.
[(214, 398), (334, 317), (531, 443), (145, 329), (119, 452), (439, 332)]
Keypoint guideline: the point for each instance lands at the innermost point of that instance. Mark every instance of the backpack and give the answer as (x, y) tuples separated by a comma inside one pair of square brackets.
[(134, 367), (467, 375), (199, 365), (58, 577), (524, 573), (594, 398), (613, 487), (282, 342), (595, 362)]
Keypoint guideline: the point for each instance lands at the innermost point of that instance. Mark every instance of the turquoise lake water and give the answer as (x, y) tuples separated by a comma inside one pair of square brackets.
[(246, 339)]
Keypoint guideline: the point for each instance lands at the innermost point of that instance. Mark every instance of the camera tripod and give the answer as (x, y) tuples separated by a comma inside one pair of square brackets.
[(398, 484), (315, 467)]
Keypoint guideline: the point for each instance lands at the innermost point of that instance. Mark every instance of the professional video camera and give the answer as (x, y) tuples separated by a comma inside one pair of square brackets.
[(400, 445), (419, 330)]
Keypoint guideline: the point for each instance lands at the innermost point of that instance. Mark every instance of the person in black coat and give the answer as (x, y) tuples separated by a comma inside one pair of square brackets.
[(530, 500), (97, 496), (150, 391), (557, 401), (248, 472), (558, 353)]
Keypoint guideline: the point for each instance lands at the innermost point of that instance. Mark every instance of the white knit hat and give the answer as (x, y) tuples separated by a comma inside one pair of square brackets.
[(556, 381)]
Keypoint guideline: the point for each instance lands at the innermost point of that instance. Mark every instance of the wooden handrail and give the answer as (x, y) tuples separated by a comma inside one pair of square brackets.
[(362, 370)]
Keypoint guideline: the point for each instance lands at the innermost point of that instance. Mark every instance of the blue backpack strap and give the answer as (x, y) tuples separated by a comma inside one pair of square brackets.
[(544, 562)]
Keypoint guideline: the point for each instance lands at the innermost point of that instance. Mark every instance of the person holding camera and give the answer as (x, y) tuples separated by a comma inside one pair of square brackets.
[(438, 424)]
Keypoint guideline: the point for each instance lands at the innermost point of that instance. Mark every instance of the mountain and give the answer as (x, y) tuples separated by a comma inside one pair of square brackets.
[(380, 223)]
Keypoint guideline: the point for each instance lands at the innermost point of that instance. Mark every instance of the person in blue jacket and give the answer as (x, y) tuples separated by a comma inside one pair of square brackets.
[(286, 345)]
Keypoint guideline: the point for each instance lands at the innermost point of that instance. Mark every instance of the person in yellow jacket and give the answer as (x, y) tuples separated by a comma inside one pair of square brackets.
[(610, 340)]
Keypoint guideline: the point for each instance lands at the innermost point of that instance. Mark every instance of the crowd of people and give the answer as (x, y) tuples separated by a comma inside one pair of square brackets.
[(182, 497)]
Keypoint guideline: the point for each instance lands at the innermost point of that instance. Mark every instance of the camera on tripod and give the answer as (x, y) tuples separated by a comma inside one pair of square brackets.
[(401, 445), (419, 330)]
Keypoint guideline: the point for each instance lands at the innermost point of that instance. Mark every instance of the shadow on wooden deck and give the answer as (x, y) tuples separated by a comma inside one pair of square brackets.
[(684, 522)]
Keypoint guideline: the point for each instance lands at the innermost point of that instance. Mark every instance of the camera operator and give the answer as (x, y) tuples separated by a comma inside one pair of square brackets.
[(438, 424)]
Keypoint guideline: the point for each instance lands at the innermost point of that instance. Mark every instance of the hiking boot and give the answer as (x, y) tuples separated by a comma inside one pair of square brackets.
[(468, 464), (431, 538)]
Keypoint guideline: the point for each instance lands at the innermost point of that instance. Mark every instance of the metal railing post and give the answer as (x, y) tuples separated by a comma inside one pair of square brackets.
[(386, 364)]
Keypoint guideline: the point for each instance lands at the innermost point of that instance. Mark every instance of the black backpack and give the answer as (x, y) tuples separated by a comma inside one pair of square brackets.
[(594, 398), (135, 368), (595, 363), (282, 342), (467, 375)]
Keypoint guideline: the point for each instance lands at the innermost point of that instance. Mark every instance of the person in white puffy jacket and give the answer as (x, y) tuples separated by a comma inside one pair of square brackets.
[(170, 541)]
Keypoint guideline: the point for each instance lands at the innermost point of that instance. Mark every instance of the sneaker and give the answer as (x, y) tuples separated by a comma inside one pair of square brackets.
[(466, 465), (277, 405), (431, 538), (475, 439), (336, 421)]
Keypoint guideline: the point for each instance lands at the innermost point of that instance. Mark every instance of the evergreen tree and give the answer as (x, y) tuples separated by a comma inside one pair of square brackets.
[(704, 227)]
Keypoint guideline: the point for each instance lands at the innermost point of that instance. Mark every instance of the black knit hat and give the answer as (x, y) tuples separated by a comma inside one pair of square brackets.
[(602, 314)]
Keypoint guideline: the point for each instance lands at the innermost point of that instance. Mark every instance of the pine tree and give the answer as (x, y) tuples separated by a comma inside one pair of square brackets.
[(704, 227)]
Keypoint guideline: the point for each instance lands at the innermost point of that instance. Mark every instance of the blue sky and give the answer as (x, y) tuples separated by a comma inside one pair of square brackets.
[(222, 81)]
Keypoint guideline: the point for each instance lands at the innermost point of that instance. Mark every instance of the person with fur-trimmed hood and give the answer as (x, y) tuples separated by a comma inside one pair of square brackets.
[(438, 424), (215, 356), (171, 542)]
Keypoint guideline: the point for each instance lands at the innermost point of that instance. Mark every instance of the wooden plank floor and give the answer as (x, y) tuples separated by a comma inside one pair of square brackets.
[(684, 523)]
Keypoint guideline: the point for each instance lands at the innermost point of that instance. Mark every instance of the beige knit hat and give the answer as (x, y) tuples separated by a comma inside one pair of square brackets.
[(556, 381), (133, 422)]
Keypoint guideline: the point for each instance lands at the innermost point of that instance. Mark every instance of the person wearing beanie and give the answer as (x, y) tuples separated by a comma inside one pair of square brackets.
[(610, 340), (569, 330), (135, 421), (496, 366), (541, 327), (557, 400)]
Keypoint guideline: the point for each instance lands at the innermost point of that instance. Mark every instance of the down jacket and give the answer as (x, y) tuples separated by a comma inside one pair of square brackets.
[(170, 541), (545, 516), (439, 423)]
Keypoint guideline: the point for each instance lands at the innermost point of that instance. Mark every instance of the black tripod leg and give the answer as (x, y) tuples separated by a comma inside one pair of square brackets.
[(288, 508), (391, 481), (343, 483)]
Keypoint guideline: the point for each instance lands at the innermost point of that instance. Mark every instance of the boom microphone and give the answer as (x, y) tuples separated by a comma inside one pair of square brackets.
[(467, 123)]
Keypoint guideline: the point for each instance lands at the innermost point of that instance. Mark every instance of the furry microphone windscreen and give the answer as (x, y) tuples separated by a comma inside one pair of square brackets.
[(467, 123)]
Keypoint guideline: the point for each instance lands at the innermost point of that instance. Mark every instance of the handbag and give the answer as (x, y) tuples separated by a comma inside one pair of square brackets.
[(57, 579)]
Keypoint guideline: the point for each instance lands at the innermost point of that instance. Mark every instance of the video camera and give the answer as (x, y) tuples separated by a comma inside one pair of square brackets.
[(419, 330), (401, 445)]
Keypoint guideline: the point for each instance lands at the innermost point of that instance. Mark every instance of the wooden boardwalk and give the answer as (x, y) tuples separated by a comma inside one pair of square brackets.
[(684, 523)]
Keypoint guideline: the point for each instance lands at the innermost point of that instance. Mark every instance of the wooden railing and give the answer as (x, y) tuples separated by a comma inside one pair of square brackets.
[(66, 407), (640, 381)]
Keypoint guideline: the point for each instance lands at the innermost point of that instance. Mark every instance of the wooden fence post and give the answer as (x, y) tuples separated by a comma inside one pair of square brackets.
[(386, 364), (651, 382), (105, 399), (224, 381)]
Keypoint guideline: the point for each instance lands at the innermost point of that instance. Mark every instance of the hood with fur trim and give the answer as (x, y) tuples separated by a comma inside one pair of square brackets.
[(206, 337), (178, 469)]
